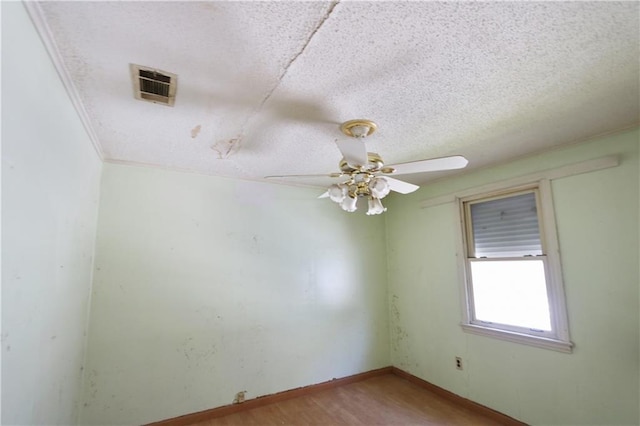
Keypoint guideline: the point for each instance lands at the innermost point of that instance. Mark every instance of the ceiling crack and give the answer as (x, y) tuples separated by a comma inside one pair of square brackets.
[(289, 63), (297, 55)]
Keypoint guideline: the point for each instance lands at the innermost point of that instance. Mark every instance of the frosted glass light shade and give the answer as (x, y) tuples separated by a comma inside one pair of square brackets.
[(375, 206), (379, 188), (349, 204), (337, 193)]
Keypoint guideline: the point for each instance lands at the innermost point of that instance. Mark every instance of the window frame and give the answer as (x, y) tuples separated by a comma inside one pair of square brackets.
[(558, 338)]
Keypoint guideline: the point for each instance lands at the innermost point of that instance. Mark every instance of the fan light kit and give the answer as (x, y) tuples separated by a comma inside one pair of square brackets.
[(365, 172), (362, 182)]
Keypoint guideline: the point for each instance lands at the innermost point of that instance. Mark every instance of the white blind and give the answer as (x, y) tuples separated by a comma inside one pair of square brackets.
[(506, 227)]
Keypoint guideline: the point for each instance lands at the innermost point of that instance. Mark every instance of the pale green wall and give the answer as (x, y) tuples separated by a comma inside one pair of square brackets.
[(597, 219), (205, 287), (50, 183)]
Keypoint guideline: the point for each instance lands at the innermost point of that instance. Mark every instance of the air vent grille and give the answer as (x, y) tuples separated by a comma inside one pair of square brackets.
[(154, 85)]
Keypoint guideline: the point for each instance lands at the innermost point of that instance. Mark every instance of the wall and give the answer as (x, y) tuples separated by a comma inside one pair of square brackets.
[(205, 287), (597, 220), (50, 183)]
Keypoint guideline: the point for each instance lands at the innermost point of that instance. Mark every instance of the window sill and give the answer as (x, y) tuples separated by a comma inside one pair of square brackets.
[(526, 339)]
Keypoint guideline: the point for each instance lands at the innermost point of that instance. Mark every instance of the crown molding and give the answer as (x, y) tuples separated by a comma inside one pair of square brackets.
[(39, 22)]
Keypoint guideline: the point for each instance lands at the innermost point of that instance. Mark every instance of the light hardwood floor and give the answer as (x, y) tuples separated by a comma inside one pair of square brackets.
[(382, 400)]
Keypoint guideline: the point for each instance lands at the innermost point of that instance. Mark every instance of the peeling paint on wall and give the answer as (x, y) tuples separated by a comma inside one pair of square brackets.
[(239, 397)]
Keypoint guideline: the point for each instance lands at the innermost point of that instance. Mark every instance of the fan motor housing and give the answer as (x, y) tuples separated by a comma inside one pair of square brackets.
[(374, 163)]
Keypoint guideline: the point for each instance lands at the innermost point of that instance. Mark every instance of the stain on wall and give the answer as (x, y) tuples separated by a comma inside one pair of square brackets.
[(400, 344)]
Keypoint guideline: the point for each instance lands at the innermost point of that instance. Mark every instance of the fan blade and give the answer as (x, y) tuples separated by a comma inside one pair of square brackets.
[(431, 165), (354, 151), (329, 175), (325, 194), (400, 186)]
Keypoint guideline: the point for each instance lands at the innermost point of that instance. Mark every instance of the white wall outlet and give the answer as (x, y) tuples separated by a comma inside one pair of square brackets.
[(459, 363)]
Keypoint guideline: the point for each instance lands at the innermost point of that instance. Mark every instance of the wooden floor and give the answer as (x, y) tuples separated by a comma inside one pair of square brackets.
[(382, 400)]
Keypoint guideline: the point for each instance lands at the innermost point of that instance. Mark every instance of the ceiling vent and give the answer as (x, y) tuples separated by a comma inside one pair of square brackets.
[(154, 85)]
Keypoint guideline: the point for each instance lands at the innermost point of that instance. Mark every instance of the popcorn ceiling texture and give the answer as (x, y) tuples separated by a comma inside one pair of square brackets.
[(267, 83)]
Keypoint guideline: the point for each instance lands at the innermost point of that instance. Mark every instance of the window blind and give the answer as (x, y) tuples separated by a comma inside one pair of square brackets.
[(506, 227)]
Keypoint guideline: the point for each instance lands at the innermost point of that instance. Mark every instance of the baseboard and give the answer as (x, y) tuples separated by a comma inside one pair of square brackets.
[(458, 400), (213, 413)]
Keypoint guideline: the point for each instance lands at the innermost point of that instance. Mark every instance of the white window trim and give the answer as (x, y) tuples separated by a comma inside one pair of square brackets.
[(525, 339), (557, 302)]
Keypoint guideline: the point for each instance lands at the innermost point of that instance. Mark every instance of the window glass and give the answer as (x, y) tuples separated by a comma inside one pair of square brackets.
[(512, 292)]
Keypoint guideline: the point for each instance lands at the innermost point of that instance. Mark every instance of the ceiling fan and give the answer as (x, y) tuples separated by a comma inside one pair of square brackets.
[(366, 174)]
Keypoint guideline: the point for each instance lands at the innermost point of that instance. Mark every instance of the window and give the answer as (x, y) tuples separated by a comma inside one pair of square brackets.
[(513, 282)]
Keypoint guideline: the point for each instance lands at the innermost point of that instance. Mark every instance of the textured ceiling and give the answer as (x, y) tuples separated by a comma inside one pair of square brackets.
[(263, 86)]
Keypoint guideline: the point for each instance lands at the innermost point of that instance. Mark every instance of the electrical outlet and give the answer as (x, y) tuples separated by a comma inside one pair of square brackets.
[(459, 363)]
